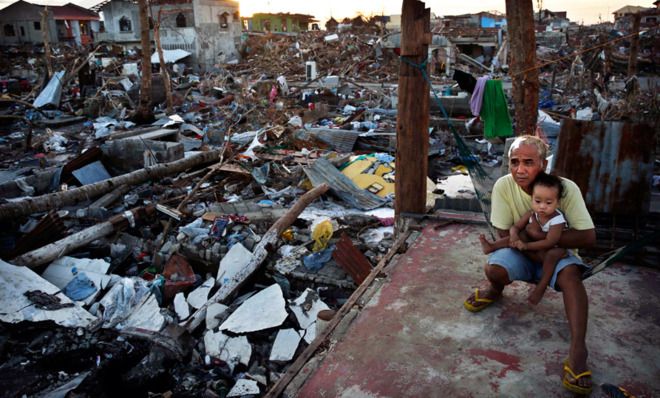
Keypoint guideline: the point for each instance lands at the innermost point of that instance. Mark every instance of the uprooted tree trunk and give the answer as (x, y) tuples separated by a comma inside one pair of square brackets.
[(163, 67), (87, 192), (55, 250), (259, 255), (144, 111)]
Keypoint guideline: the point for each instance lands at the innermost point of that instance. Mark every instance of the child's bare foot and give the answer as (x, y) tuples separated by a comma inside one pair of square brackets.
[(486, 246), (536, 295)]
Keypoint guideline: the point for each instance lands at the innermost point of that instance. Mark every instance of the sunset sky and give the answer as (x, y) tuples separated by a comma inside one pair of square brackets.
[(587, 11), (578, 11)]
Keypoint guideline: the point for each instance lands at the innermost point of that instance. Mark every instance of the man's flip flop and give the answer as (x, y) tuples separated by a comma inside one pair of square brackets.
[(481, 302), (571, 385)]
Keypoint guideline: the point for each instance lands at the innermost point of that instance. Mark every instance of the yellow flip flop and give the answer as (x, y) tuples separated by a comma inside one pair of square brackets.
[(485, 302), (573, 386)]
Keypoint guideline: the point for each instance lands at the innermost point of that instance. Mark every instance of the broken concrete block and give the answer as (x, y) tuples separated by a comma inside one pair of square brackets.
[(306, 308), (146, 316), (233, 263), (231, 350), (16, 281), (128, 154), (198, 297), (244, 387), (213, 312), (181, 306), (285, 345), (264, 310)]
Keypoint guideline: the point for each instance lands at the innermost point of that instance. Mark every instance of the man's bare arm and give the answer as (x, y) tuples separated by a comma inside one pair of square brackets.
[(573, 238)]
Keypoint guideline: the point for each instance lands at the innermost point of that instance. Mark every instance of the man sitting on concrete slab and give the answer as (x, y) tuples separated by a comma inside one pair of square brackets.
[(510, 200)]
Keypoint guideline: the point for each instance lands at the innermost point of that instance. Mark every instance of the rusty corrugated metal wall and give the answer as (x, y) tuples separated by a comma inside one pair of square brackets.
[(612, 163)]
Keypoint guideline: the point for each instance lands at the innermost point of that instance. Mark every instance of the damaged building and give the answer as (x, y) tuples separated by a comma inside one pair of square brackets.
[(22, 24), (209, 29)]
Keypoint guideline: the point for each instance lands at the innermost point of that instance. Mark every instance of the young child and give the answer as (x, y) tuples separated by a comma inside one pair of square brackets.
[(545, 222)]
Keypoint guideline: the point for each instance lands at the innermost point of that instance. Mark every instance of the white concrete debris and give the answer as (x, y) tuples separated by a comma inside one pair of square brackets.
[(244, 387), (181, 306), (457, 186), (61, 271), (306, 309), (198, 297), (233, 262), (232, 350), (15, 281), (285, 345), (146, 316), (213, 311), (262, 311)]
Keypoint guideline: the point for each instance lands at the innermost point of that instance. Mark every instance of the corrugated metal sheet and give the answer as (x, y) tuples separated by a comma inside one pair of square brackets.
[(611, 162), (340, 140), (322, 171), (351, 259)]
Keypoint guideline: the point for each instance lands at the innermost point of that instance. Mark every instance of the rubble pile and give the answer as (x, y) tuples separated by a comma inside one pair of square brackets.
[(192, 256)]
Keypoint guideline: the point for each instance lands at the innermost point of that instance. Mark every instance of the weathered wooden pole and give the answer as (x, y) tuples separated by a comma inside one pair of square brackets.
[(163, 66), (412, 137), (45, 31), (634, 46), (525, 76), (144, 107)]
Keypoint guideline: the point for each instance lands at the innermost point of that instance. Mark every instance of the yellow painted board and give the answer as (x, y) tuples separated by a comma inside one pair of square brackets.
[(364, 181), (358, 167)]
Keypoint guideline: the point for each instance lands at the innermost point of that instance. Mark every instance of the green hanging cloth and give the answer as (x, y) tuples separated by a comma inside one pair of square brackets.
[(494, 111)]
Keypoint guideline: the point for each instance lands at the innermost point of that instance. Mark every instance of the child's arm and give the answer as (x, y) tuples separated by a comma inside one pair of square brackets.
[(550, 241), (519, 225)]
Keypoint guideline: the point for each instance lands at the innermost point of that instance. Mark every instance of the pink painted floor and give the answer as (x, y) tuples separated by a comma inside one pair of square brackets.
[(415, 339)]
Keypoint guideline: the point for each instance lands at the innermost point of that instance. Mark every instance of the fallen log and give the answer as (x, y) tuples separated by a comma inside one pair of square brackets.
[(87, 192), (55, 250), (259, 255)]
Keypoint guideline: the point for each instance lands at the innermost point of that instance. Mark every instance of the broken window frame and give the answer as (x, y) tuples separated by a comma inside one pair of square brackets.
[(125, 24), (36, 25), (223, 20), (181, 20), (9, 30)]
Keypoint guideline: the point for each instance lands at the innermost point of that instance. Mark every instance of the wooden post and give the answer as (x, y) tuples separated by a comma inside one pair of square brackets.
[(634, 46), (45, 31), (525, 76), (144, 107), (163, 67), (412, 124)]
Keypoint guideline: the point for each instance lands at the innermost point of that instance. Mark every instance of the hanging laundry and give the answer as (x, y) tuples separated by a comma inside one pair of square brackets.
[(478, 95), (465, 80), (494, 111)]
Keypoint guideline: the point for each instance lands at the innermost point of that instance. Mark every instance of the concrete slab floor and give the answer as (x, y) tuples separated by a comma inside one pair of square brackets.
[(415, 339)]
